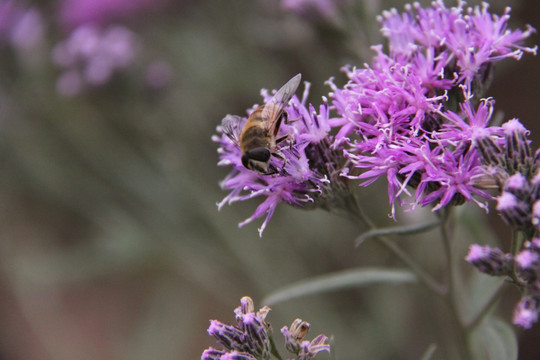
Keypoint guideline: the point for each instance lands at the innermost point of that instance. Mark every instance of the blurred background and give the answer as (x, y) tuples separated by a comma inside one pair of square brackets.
[(111, 244)]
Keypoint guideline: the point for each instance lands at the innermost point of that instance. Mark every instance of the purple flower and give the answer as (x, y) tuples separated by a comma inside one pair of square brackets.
[(489, 260), (247, 340), (526, 312), (470, 39), (397, 117), (528, 265), (21, 26), (309, 177)]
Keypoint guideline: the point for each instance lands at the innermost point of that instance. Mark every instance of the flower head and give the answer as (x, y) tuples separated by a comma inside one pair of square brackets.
[(398, 115), (306, 174)]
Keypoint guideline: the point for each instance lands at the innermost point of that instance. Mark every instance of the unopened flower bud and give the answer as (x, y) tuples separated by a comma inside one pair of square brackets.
[(526, 312), (489, 260)]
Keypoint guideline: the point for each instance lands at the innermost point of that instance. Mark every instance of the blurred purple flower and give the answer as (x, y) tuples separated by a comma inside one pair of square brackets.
[(21, 26), (526, 312), (91, 55), (310, 176), (74, 13)]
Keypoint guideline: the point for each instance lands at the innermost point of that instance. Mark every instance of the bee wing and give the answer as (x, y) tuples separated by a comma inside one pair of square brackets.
[(231, 126), (272, 109)]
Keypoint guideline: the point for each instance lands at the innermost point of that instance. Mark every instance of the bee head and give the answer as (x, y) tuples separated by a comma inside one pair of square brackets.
[(257, 159)]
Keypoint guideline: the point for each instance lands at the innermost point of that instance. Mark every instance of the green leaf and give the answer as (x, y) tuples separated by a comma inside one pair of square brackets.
[(396, 230), (495, 339), (338, 281)]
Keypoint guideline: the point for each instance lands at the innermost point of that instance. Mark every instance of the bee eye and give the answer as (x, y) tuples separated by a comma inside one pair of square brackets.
[(259, 154), (245, 160)]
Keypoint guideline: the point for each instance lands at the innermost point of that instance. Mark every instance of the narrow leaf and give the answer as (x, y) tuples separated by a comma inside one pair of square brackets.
[(396, 230), (338, 281)]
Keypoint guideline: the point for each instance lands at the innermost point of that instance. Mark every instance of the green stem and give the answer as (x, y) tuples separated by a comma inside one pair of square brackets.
[(274, 350), (451, 296)]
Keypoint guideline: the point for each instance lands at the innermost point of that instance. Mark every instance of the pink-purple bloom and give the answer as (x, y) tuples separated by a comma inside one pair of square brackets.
[(311, 167), (395, 115), (414, 116)]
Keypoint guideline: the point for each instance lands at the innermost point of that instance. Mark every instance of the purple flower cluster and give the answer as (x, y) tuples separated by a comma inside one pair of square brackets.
[(414, 116), (523, 268), (250, 338), (398, 117), (91, 55), (309, 176), (21, 26)]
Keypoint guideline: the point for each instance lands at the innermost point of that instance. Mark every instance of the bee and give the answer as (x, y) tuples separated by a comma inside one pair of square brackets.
[(258, 138)]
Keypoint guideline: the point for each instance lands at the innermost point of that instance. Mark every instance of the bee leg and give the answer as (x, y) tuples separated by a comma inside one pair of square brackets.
[(291, 143), (280, 156), (286, 119), (272, 170)]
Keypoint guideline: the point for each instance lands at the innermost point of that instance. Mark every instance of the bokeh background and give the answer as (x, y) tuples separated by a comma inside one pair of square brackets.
[(111, 244)]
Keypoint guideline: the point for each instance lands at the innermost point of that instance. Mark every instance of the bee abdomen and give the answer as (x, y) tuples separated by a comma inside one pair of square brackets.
[(256, 115), (254, 137)]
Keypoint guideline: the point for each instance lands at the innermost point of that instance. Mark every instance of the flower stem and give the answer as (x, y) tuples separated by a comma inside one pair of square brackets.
[(274, 350), (450, 297)]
